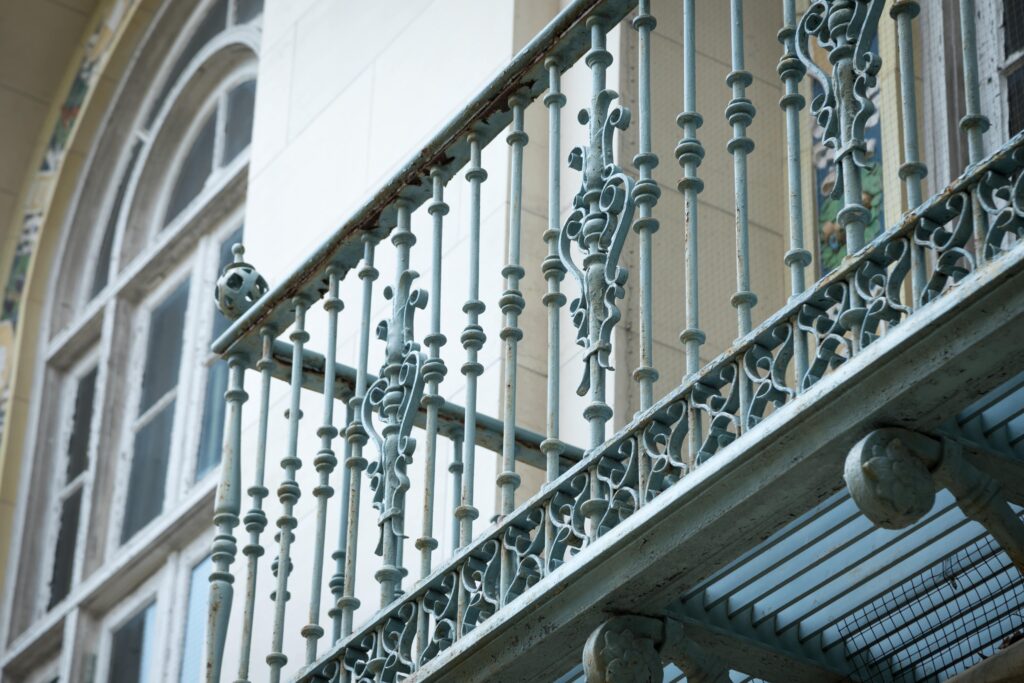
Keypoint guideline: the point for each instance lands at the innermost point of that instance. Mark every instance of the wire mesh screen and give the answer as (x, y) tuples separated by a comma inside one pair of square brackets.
[(942, 621)]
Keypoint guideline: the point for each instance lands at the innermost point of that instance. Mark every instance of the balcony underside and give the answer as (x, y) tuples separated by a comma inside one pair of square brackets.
[(939, 362)]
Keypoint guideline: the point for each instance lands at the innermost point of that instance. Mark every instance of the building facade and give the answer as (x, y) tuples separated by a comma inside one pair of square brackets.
[(680, 329)]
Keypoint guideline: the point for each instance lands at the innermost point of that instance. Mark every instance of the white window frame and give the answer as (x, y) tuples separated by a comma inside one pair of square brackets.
[(185, 248), (59, 487)]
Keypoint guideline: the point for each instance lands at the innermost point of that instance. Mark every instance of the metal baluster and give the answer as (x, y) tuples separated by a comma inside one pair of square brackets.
[(225, 518), (847, 31), (690, 153), (740, 114), (512, 305), (552, 267), (473, 339), (337, 581), (396, 396), (433, 372), (792, 71), (288, 492), (357, 436), (646, 193), (325, 462), (974, 123), (255, 519), (455, 468), (912, 170)]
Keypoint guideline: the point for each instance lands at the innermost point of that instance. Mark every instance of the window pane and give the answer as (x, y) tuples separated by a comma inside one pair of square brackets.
[(148, 472), (213, 23), (212, 434), (130, 648), (211, 441), (64, 553), (195, 623), (163, 349), (193, 172), (1013, 22), (1015, 99), (247, 10), (238, 128), (78, 447), (102, 274)]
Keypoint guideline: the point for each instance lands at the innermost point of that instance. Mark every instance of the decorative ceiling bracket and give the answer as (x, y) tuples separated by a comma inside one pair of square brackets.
[(633, 648), (893, 474)]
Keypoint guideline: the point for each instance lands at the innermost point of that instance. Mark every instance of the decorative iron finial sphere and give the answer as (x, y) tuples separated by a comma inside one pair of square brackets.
[(239, 286)]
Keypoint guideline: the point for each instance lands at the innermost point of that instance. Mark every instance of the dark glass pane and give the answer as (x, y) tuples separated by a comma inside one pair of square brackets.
[(163, 349), (148, 473), (78, 447), (212, 435), (193, 172), (130, 648), (1013, 23), (195, 623), (238, 128), (247, 10), (64, 553), (102, 274), (213, 23), (1015, 99)]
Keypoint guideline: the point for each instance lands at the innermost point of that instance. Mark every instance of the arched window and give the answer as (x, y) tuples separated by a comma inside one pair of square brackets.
[(131, 420)]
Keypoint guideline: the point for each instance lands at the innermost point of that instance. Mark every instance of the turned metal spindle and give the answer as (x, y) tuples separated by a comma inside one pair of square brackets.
[(797, 258), (288, 492), (552, 267), (689, 153), (433, 372), (337, 580), (473, 339), (455, 468), (912, 171), (324, 463), (512, 305), (740, 114), (598, 412), (356, 436), (225, 518), (974, 123), (256, 519), (646, 193)]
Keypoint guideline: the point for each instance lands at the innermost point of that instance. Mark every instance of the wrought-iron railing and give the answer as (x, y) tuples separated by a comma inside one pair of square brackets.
[(588, 489)]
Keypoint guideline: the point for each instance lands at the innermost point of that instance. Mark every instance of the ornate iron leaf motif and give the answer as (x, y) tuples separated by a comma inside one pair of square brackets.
[(846, 30), (598, 224), (394, 398)]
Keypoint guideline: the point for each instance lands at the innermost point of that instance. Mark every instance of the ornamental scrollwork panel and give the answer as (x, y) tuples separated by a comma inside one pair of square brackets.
[(663, 442), (716, 397), (1001, 195), (880, 282), (481, 576), (945, 230), (765, 365), (823, 317), (565, 517)]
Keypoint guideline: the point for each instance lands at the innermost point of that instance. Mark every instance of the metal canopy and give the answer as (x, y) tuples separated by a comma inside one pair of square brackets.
[(918, 604)]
